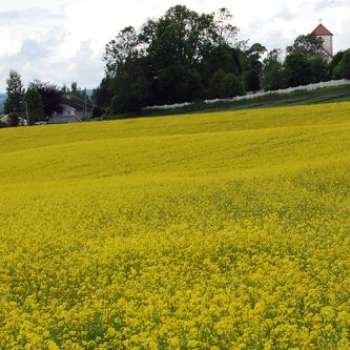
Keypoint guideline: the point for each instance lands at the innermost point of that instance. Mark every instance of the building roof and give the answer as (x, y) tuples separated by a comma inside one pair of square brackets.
[(321, 30), (76, 103)]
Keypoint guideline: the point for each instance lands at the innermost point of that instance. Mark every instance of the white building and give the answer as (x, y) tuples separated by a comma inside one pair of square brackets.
[(74, 109), (322, 32)]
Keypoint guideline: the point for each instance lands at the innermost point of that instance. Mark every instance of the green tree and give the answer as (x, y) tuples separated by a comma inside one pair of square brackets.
[(220, 57), (306, 62), (102, 96), (131, 89), (335, 63), (343, 69), (252, 80), (51, 97), (253, 66), (176, 55), (274, 77), (118, 50), (298, 70), (306, 45), (225, 85), (15, 94), (225, 30), (319, 69), (34, 103)]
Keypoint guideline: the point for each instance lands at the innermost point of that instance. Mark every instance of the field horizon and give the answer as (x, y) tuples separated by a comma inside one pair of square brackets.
[(216, 230)]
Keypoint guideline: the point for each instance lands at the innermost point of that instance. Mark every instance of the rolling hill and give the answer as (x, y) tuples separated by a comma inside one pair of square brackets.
[(223, 230)]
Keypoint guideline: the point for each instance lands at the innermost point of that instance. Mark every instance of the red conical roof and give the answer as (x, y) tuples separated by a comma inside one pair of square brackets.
[(321, 30)]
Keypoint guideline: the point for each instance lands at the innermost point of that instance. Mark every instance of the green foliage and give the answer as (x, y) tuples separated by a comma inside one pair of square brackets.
[(103, 95), (131, 89), (251, 80), (343, 68), (183, 55), (334, 64), (221, 57), (253, 67), (51, 97), (320, 69), (178, 54), (298, 70), (274, 76), (15, 94), (232, 85), (306, 62), (306, 45), (120, 49), (225, 85), (34, 105)]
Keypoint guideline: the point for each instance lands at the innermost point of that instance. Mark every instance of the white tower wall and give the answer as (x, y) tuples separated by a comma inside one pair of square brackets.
[(328, 43)]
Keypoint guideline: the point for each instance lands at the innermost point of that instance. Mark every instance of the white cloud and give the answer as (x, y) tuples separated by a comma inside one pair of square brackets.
[(63, 40)]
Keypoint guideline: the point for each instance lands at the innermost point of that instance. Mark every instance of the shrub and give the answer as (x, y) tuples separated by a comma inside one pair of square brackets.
[(224, 85)]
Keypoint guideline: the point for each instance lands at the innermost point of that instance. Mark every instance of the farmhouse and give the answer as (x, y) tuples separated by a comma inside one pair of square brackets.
[(322, 32), (74, 109)]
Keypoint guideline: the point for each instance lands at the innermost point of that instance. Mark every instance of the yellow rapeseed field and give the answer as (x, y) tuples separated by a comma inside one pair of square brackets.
[(213, 231)]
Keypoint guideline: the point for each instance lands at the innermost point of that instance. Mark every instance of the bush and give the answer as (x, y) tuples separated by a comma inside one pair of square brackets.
[(224, 85), (233, 85)]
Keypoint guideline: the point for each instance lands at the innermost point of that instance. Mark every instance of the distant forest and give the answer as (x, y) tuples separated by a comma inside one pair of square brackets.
[(185, 56)]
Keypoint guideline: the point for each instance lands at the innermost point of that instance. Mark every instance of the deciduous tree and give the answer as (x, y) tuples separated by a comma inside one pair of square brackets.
[(15, 94)]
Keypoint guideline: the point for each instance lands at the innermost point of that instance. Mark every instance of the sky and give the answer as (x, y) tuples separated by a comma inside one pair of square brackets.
[(62, 41)]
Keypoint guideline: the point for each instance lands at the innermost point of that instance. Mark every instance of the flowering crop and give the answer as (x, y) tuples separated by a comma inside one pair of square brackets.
[(212, 231)]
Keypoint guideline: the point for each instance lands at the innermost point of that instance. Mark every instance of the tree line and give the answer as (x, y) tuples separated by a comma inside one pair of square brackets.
[(185, 56), (38, 102)]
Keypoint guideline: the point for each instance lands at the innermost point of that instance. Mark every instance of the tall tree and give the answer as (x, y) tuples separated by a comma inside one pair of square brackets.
[(252, 61), (34, 104), (343, 68), (298, 70), (320, 69), (15, 94), (131, 88), (306, 62), (120, 49), (51, 97), (225, 30), (102, 96), (306, 45), (274, 76)]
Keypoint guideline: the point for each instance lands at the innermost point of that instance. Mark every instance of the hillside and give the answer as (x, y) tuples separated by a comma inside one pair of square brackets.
[(225, 230)]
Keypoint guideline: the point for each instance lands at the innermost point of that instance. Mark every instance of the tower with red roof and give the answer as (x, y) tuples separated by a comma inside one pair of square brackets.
[(322, 32)]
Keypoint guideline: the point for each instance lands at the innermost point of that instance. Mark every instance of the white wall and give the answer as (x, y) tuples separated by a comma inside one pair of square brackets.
[(328, 44)]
